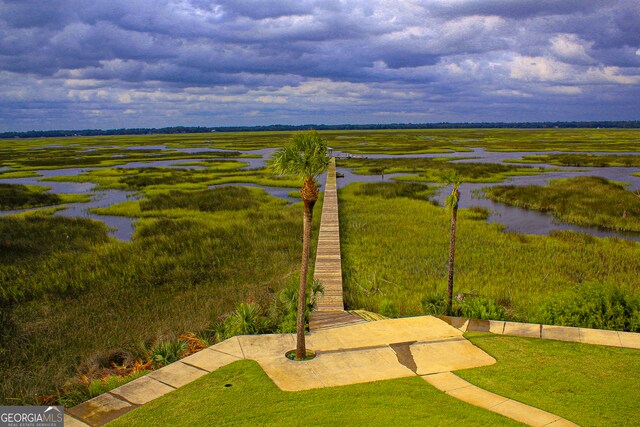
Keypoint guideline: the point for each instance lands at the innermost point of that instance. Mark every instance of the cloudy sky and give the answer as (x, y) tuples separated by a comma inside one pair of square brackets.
[(70, 64)]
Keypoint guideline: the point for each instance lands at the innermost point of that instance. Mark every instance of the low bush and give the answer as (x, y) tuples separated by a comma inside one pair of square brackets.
[(435, 303), (247, 319), (481, 308), (287, 309), (168, 351), (471, 306), (593, 305)]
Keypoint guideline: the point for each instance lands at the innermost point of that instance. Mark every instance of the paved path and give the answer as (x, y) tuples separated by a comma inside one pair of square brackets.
[(456, 387), (550, 332), (328, 267), (395, 348), (370, 351)]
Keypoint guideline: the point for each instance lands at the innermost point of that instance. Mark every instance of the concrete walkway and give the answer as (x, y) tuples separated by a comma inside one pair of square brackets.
[(372, 351), (328, 267), (549, 332), (456, 387)]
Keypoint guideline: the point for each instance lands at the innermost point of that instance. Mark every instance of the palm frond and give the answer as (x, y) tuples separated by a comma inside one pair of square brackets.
[(306, 156), (452, 199), (452, 177)]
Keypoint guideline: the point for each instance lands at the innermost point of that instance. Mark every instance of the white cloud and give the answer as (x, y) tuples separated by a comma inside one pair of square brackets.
[(538, 68), (564, 90), (570, 47), (512, 93), (611, 75)]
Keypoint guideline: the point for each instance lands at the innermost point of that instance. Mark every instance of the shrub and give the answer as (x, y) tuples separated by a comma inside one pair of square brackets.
[(167, 351), (593, 305), (246, 320), (289, 304), (434, 303), (481, 308)]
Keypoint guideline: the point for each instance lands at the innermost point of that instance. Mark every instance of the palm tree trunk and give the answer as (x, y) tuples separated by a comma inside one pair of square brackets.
[(452, 250), (301, 348)]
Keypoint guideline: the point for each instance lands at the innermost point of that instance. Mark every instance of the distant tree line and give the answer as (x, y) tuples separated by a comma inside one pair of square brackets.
[(631, 124)]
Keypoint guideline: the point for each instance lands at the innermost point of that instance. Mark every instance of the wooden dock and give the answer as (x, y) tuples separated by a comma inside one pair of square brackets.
[(328, 267)]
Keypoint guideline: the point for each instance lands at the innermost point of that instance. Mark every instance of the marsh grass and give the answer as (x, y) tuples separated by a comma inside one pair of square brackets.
[(396, 249), (394, 190), (90, 388), (210, 200), (583, 160), (17, 196), (72, 295), (432, 169), (18, 174), (80, 156), (592, 305), (24, 239), (448, 140), (580, 200), (154, 180), (363, 142), (73, 300)]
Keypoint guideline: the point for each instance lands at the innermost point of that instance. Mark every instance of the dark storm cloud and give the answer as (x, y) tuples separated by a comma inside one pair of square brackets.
[(517, 9), (258, 60)]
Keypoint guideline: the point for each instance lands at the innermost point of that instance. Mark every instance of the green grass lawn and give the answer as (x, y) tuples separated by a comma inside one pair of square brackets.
[(590, 385), (253, 399)]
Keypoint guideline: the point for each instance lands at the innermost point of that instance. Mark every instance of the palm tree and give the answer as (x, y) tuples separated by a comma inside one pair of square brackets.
[(306, 157), (452, 178)]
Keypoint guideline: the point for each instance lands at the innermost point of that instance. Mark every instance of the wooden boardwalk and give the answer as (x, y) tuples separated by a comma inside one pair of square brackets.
[(328, 267)]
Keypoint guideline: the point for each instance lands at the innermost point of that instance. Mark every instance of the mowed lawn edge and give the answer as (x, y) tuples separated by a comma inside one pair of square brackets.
[(253, 399)]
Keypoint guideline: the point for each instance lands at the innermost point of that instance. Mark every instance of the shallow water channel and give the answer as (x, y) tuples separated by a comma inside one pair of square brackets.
[(119, 226), (513, 218)]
